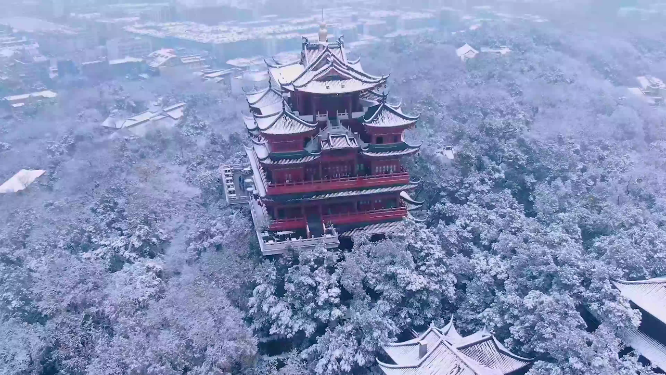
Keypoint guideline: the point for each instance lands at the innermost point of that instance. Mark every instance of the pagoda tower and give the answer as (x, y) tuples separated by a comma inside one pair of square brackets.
[(326, 151)]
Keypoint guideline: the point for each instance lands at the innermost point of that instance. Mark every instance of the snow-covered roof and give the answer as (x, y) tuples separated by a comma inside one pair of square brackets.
[(125, 60), (160, 57), (338, 142), (443, 359), (385, 115), (502, 50), (244, 62), (20, 180), (390, 150), (267, 100), (323, 69), (481, 352), (649, 81), (643, 96), (379, 228), (412, 32), (166, 117), (283, 122), (649, 295), (466, 52), (264, 156), (38, 26), (646, 346), (47, 94), (285, 74), (217, 73)]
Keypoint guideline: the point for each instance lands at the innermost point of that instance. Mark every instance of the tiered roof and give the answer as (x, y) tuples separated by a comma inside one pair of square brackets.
[(282, 122), (445, 352), (261, 149), (390, 150), (338, 142), (384, 115), (323, 69), (265, 101)]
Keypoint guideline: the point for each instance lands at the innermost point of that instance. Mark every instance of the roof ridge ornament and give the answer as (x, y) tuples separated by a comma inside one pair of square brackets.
[(323, 33), (384, 97)]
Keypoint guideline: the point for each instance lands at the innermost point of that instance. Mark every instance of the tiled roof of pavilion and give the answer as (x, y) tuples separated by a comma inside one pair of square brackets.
[(648, 347), (312, 51), (267, 100), (334, 78), (338, 142), (261, 150), (384, 115), (649, 295), (486, 350), (285, 74), (481, 349), (411, 203), (371, 96), (390, 150), (378, 228), (266, 157), (282, 122), (443, 359)]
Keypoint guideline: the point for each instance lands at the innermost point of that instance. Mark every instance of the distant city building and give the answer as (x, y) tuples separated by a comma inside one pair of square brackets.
[(120, 48), (66, 68), (96, 69), (651, 90), (167, 57), (153, 119), (649, 340), (652, 86), (220, 76), (149, 11), (53, 39), (127, 65), (23, 100), (501, 50), (30, 67), (443, 351)]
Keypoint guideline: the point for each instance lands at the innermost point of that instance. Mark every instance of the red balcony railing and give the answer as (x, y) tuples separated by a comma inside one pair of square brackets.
[(287, 224), (342, 219), (366, 216), (356, 182)]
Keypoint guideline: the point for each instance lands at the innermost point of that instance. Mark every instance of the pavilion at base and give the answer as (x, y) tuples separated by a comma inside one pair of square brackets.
[(443, 351), (326, 150)]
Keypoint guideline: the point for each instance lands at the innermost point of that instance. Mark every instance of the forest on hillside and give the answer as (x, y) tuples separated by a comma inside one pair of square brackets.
[(125, 258)]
